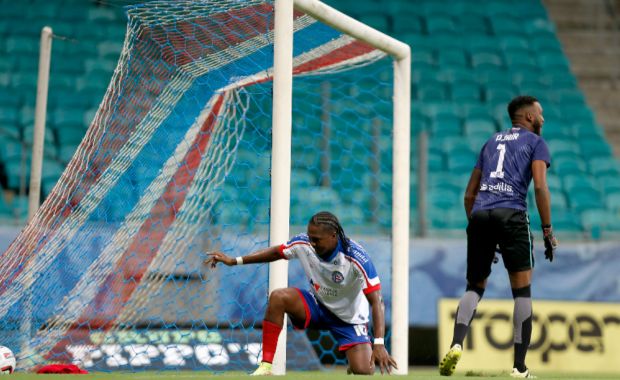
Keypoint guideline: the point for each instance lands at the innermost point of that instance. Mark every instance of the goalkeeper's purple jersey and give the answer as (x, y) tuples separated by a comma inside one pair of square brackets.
[(506, 164), (342, 281)]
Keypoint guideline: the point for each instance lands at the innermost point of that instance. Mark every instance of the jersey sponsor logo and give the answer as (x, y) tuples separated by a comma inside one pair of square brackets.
[(337, 277), (501, 187), (328, 292), (315, 285)]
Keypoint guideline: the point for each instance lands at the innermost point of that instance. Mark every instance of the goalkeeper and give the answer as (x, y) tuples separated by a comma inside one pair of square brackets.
[(343, 283), (495, 204)]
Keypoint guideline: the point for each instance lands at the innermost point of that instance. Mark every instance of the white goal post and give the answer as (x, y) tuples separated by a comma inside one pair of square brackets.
[(281, 158)]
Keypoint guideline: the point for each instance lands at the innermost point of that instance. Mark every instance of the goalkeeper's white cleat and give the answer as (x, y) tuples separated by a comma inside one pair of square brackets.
[(522, 375), (264, 369), (448, 363)]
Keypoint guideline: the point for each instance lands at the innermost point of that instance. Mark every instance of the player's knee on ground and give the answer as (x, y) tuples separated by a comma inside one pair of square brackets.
[(361, 369)]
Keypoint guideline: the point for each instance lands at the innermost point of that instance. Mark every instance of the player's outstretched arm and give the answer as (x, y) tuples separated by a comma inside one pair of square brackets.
[(266, 255), (379, 353)]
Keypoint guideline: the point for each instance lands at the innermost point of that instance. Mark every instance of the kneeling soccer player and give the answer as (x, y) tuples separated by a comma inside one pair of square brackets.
[(343, 284)]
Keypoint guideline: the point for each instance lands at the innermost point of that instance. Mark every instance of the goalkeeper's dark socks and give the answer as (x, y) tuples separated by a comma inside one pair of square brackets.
[(271, 332), (522, 324), (465, 313)]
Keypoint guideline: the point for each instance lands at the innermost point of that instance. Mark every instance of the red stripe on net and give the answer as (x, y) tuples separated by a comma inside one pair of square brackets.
[(129, 271)]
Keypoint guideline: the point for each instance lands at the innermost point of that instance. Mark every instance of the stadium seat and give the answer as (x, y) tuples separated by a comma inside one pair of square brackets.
[(456, 74), (309, 199), (559, 149), (443, 199), (546, 43), (456, 144), (466, 92), (521, 60), (613, 201), (568, 165), (432, 93), (603, 166), (505, 25), (452, 58), (553, 61), (461, 162), (609, 183), (595, 148), (446, 125), (446, 180), (559, 80), (566, 221), (499, 95), (539, 28), (486, 60), (598, 219), (511, 43), (435, 162), (101, 15), (22, 45), (587, 130), (477, 140), (472, 24), (554, 183), (558, 200), (407, 23), (423, 57), (585, 199), (480, 125), (439, 24)]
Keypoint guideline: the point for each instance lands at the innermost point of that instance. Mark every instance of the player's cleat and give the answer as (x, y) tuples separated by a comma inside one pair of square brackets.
[(522, 375), (448, 363), (264, 369)]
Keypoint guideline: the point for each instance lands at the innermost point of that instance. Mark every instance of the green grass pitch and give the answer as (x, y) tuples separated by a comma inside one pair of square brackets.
[(414, 373)]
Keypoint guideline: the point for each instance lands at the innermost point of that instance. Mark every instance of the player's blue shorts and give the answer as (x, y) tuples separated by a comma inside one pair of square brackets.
[(319, 317)]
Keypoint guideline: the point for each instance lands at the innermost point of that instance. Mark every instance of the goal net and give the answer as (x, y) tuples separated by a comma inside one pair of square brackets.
[(109, 273)]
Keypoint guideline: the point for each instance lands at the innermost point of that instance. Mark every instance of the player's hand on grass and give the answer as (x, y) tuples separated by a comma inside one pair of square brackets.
[(381, 357), (219, 257), (551, 243)]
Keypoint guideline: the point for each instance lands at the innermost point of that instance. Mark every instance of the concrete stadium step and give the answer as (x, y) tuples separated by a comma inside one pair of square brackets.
[(590, 34)]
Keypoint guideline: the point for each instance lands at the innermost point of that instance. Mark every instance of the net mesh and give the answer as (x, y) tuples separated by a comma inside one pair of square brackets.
[(176, 162)]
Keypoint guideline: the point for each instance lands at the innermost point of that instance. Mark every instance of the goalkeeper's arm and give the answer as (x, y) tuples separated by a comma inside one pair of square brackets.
[(541, 191), (266, 255)]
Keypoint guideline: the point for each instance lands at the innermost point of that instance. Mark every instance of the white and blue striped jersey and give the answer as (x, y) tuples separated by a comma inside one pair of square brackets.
[(341, 282)]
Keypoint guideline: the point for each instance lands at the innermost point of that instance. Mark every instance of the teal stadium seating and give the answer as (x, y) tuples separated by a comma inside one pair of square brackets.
[(468, 61)]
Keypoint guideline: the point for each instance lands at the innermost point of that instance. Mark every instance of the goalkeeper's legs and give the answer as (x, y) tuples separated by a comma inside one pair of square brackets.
[(464, 315), (522, 316)]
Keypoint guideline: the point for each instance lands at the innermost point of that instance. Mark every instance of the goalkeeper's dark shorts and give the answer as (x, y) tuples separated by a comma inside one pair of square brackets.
[(504, 227)]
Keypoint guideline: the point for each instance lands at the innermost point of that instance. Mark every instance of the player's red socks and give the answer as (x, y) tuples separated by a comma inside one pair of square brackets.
[(271, 332)]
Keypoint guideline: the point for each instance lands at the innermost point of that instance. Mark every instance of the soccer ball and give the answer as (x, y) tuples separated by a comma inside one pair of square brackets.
[(7, 361)]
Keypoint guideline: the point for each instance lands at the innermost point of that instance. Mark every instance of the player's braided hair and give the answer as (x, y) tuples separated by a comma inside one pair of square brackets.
[(326, 218)]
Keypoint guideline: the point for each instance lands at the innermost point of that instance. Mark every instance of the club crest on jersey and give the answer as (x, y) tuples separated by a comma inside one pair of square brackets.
[(337, 277)]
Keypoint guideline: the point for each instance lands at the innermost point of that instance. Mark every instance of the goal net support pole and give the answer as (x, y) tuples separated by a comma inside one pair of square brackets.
[(39, 121), (281, 159)]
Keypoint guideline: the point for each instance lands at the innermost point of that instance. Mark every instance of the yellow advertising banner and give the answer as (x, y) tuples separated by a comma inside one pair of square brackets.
[(566, 336)]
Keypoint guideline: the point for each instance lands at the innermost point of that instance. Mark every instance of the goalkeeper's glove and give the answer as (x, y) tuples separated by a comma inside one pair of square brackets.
[(551, 242)]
